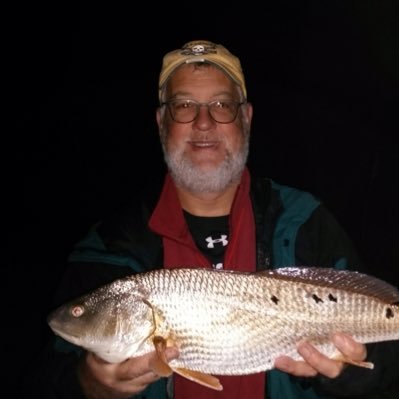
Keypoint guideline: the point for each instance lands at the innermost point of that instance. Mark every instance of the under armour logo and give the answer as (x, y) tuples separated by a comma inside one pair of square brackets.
[(211, 241)]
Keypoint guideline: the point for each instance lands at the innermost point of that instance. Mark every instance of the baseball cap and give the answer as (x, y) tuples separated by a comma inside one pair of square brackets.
[(202, 51)]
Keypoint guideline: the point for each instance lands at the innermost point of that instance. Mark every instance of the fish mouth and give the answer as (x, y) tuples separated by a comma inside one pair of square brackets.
[(67, 336), (59, 328)]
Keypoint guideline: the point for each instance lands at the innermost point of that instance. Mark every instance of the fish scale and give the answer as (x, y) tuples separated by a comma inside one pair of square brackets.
[(229, 323)]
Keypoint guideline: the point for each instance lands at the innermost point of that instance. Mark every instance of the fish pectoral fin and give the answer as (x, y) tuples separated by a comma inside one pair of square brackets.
[(159, 364), (207, 380), (359, 363)]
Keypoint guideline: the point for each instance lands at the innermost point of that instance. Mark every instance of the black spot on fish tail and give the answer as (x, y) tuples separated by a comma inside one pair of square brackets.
[(332, 298), (389, 313), (316, 298), (275, 299)]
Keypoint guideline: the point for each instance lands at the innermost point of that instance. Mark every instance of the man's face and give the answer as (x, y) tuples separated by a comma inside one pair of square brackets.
[(204, 155)]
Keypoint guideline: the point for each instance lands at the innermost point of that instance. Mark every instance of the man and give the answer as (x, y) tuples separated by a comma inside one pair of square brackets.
[(208, 213)]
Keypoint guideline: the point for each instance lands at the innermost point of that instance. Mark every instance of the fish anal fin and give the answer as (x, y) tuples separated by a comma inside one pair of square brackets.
[(207, 380), (159, 364), (359, 363)]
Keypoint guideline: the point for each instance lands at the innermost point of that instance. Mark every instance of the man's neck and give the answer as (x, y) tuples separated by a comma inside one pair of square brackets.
[(208, 204)]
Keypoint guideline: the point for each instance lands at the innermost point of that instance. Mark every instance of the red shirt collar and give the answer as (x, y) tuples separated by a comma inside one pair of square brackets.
[(167, 220)]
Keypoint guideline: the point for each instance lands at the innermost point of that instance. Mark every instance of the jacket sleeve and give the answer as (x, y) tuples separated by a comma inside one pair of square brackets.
[(92, 263), (361, 383), (322, 241), (53, 373), (120, 245)]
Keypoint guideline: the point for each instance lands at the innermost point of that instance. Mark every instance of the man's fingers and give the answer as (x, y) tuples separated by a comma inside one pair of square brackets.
[(171, 353), (315, 362), (321, 363), (136, 367), (349, 347), (296, 368), (140, 366)]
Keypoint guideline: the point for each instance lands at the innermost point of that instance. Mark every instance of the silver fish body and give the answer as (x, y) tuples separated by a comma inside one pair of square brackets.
[(229, 323)]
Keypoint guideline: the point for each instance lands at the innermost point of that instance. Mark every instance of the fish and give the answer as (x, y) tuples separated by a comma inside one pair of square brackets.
[(228, 322)]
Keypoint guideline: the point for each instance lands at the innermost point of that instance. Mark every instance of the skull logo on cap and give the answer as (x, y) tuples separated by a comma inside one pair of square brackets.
[(195, 48)]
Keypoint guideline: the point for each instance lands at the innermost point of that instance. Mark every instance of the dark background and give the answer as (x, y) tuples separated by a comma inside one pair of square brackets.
[(81, 92)]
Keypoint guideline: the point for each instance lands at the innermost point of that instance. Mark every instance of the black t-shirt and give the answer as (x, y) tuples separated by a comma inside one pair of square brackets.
[(211, 234)]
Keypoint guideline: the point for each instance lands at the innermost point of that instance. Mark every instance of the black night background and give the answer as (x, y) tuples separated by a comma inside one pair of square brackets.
[(81, 93)]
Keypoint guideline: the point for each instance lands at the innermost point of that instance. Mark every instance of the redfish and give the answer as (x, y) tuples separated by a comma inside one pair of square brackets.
[(228, 323)]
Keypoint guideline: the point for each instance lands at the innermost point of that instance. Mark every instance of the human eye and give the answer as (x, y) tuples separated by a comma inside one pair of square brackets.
[(225, 105), (178, 104), (183, 104)]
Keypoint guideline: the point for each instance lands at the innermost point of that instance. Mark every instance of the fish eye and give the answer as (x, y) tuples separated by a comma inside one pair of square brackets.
[(77, 310)]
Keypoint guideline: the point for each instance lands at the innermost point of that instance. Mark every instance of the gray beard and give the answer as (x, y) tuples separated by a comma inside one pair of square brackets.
[(192, 178)]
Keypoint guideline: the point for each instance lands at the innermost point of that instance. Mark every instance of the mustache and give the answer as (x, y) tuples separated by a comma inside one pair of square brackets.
[(205, 136)]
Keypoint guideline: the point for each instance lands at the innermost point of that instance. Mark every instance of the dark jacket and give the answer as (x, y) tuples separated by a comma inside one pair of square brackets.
[(292, 228)]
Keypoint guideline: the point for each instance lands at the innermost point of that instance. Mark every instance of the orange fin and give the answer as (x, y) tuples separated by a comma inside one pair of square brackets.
[(359, 363), (159, 364), (204, 379)]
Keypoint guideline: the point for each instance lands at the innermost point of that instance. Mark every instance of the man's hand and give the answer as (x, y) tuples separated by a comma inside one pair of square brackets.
[(316, 363), (103, 380)]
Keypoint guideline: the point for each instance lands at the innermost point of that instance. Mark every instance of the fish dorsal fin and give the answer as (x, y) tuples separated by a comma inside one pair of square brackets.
[(347, 280), (207, 380)]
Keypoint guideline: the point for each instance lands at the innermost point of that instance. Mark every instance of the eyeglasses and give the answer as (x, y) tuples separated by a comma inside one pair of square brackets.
[(186, 111)]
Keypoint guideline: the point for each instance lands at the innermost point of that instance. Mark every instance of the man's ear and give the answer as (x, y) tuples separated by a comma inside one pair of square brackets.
[(249, 111), (159, 116)]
